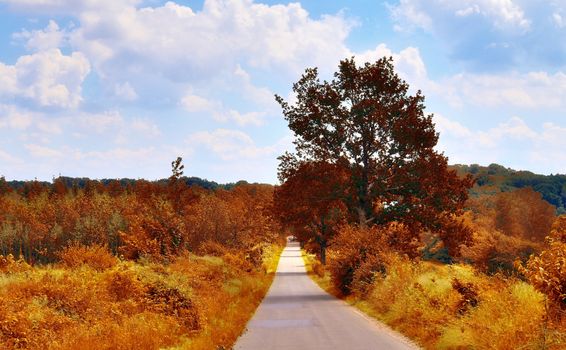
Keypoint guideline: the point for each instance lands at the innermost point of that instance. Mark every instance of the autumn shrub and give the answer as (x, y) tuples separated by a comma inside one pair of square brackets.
[(9, 264), (350, 248), (211, 248), (170, 301), (547, 270), (254, 255), (454, 306), (96, 256), (122, 284), (359, 253), (317, 268)]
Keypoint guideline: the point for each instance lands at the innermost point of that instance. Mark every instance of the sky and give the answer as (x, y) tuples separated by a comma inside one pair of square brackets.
[(120, 88)]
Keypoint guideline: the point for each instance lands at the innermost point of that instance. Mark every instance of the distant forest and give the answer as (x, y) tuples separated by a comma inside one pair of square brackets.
[(83, 182), (490, 179), (497, 178)]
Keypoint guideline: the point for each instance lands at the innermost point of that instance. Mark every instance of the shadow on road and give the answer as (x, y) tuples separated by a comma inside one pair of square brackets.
[(285, 274), (286, 299)]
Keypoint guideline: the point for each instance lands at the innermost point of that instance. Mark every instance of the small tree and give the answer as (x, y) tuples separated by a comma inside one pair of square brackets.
[(175, 188), (310, 202)]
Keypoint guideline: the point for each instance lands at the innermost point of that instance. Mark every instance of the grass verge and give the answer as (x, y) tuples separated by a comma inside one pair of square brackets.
[(193, 302)]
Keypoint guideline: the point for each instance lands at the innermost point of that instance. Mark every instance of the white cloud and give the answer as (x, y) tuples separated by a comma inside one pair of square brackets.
[(181, 44), (513, 143), (503, 14), (230, 144), (526, 90), (67, 7), (558, 20), (41, 40), (197, 104), (125, 92), (145, 127), (8, 158), (43, 151), (532, 90), (408, 62), (259, 95), (101, 122), (251, 118), (47, 78), (446, 126), (14, 118)]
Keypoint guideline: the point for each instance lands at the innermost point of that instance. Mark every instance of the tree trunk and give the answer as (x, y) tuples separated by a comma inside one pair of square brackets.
[(323, 252)]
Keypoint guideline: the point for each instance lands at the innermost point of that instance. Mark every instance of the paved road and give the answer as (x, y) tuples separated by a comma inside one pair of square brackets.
[(298, 314)]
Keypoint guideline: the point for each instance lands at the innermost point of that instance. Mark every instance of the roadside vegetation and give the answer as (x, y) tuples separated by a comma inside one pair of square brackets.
[(148, 266), (448, 306)]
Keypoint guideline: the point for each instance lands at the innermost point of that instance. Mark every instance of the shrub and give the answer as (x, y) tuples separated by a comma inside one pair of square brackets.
[(11, 265), (212, 248), (547, 271), (170, 301), (353, 247), (96, 256)]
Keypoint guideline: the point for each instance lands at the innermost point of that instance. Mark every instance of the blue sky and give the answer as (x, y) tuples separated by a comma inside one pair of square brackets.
[(120, 88)]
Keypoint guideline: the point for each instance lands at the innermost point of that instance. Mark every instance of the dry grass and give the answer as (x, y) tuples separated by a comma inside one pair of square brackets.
[(194, 302), (453, 306)]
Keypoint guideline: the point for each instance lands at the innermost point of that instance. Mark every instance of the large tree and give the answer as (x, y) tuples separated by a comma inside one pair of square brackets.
[(365, 121)]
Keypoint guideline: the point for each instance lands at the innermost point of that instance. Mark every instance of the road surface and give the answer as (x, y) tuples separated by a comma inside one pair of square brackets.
[(297, 314)]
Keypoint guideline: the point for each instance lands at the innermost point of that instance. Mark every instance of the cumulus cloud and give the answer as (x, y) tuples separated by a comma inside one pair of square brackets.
[(183, 44), (408, 62), (40, 40), (47, 78)]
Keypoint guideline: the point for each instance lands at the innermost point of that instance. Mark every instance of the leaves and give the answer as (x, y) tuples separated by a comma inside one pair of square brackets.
[(365, 150)]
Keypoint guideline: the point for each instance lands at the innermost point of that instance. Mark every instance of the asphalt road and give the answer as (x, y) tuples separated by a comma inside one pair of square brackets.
[(297, 314)]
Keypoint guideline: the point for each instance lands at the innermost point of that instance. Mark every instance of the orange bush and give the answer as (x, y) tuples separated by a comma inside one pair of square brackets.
[(96, 256), (547, 271)]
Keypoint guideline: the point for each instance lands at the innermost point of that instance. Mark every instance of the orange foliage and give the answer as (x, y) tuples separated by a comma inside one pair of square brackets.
[(95, 256), (547, 271), (507, 226), (165, 298)]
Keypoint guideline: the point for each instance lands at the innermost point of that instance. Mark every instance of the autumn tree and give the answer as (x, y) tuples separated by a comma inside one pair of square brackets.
[(310, 202), (175, 187), (366, 121), (4, 187), (523, 213)]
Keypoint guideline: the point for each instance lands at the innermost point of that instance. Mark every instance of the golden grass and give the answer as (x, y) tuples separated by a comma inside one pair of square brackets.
[(192, 303), (423, 301)]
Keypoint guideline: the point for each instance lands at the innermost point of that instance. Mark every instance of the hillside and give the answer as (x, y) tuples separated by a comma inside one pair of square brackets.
[(496, 178)]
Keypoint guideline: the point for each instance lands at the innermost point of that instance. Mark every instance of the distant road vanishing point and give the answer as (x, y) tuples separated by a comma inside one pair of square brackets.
[(297, 314)]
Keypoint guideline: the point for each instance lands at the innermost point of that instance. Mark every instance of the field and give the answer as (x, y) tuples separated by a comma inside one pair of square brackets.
[(151, 267)]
